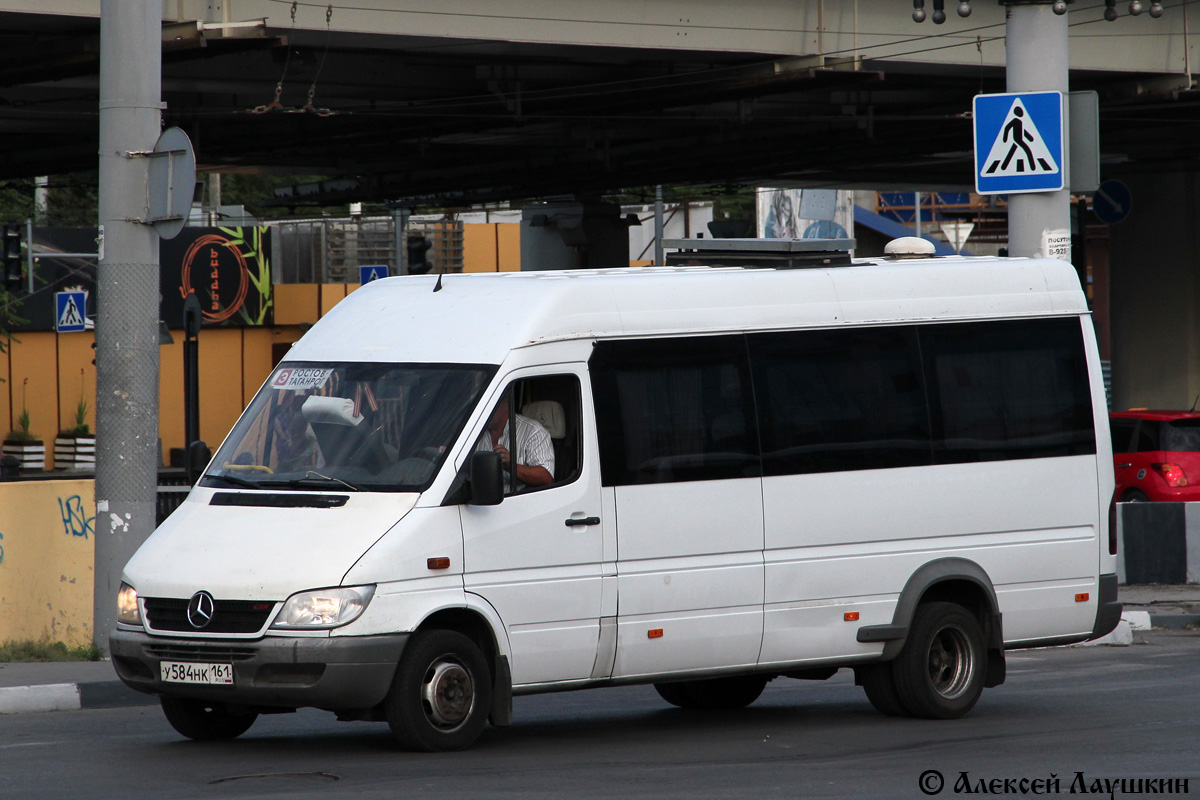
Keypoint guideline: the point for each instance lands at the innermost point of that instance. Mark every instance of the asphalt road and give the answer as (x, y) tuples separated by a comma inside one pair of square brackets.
[(1105, 712)]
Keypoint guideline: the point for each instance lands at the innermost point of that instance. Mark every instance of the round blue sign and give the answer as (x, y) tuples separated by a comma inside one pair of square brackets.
[(1111, 202)]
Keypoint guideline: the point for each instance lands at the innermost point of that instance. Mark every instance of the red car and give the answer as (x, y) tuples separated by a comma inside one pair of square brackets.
[(1157, 455)]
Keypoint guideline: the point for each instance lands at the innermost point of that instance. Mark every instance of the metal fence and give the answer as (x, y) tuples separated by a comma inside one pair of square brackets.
[(330, 250)]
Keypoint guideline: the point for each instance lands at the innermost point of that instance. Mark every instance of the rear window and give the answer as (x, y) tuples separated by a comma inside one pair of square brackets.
[(1183, 435)]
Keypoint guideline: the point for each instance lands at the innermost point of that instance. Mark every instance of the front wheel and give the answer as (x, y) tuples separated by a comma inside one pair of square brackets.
[(442, 693), (206, 722), (940, 672)]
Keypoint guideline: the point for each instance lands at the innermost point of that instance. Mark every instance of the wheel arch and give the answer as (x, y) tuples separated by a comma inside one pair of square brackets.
[(487, 634), (954, 580)]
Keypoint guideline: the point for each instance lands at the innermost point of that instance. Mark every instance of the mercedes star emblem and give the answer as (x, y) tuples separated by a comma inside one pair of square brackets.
[(200, 609)]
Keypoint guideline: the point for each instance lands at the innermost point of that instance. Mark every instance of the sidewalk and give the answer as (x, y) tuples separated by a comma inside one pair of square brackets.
[(64, 686), (67, 686), (1169, 605)]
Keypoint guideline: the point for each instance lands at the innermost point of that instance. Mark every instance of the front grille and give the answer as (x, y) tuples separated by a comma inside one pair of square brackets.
[(229, 616), (188, 652)]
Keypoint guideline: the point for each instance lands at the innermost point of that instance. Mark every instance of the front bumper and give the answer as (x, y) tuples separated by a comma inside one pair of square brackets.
[(336, 673)]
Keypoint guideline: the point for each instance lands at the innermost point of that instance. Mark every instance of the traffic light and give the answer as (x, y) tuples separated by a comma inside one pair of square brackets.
[(418, 248), (14, 263)]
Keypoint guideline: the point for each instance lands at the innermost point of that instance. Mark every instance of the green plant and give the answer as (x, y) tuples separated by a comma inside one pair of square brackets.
[(28, 650), (81, 427), (21, 433)]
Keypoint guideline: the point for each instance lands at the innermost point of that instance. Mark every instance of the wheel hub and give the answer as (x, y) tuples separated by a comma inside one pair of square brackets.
[(950, 662), (448, 693)]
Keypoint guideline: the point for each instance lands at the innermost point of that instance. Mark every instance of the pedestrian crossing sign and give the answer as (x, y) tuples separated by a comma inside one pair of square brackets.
[(366, 274), (69, 310), (1019, 143)]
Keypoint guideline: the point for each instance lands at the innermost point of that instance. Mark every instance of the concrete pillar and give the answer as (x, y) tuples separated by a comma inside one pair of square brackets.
[(127, 451), (1036, 54)]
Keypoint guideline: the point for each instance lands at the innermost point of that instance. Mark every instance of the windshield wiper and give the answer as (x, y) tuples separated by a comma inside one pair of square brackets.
[(235, 480), (312, 479)]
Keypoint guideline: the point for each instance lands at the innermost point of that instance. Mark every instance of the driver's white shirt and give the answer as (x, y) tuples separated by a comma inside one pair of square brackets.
[(534, 447)]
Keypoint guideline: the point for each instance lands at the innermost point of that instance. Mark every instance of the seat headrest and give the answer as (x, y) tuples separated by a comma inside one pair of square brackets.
[(550, 414)]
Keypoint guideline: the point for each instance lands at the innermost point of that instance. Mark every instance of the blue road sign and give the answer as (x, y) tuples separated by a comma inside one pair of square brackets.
[(1112, 201), (1019, 143), (372, 273), (69, 309)]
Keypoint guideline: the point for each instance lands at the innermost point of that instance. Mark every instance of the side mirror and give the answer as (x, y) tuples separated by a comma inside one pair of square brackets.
[(486, 470)]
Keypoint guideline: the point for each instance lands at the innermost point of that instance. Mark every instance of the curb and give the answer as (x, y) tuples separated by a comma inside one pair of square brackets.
[(1175, 622), (71, 697)]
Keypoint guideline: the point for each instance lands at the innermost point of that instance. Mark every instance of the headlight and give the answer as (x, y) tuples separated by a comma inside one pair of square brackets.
[(127, 605), (323, 608)]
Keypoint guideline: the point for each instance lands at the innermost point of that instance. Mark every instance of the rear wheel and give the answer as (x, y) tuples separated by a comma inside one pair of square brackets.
[(940, 672), (1135, 496), (713, 694), (879, 684), (203, 721), (442, 693)]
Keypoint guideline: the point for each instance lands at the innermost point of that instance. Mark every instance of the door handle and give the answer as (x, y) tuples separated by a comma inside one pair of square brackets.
[(573, 521), (1124, 466)]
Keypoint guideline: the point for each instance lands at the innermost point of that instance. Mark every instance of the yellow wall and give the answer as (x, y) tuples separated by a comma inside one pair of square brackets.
[(508, 237), (492, 247), (46, 558), (479, 248), (296, 303), (233, 361), (76, 379), (33, 383)]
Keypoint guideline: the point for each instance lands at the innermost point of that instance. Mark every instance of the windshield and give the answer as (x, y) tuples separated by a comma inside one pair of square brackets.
[(367, 427)]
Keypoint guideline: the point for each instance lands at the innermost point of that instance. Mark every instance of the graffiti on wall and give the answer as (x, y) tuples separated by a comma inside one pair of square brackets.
[(75, 520)]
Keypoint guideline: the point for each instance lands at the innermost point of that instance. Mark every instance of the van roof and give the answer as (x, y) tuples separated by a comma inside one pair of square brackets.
[(480, 317)]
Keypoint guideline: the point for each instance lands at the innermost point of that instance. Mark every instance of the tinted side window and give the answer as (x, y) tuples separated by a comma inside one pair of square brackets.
[(1122, 429), (832, 401), (1007, 390), (1147, 436), (674, 410)]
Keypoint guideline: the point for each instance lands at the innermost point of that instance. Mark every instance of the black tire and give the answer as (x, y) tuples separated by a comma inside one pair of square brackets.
[(940, 672), (673, 693), (713, 694), (879, 684), (442, 693), (206, 722), (1135, 496)]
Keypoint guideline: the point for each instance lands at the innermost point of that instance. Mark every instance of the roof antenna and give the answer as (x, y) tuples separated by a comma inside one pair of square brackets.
[(1197, 400), (437, 287)]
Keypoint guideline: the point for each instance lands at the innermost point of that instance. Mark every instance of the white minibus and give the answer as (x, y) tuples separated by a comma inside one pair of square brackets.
[(724, 476)]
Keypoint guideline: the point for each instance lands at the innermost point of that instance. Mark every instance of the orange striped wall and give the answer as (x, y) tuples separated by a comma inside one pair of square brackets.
[(492, 247), (48, 373)]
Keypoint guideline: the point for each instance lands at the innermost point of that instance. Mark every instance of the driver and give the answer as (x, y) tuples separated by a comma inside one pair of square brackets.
[(535, 452)]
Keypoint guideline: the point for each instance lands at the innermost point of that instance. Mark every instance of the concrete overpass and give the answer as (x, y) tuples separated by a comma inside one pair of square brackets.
[(460, 101)]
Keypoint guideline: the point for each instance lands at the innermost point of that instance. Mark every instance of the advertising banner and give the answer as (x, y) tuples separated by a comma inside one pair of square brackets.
[(228, 269)]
